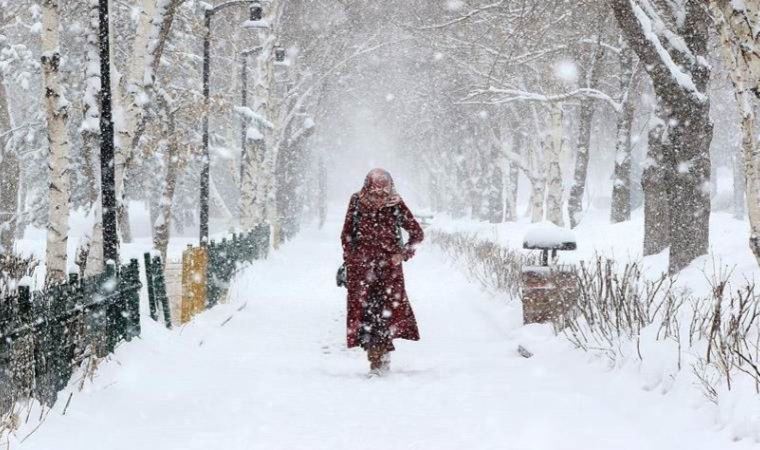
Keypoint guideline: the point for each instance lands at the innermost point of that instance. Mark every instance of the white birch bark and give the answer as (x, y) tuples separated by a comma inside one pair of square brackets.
[(130, 100), (555, 189), (56, 107), (90, 131), (9, 177), (739, 30), (266, 105), (95, 263)]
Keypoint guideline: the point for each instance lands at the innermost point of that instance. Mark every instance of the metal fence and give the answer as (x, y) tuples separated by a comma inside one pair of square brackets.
[(45, 334), (225, 256)]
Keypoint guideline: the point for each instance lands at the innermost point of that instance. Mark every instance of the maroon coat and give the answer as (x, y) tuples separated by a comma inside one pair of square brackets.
[(369, 266)]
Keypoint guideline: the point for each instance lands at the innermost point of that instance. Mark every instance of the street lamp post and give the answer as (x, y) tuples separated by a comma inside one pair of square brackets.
[(107, 183), (255, 15)]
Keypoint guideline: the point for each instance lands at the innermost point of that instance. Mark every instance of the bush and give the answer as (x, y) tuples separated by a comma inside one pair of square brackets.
[(620, 312), (12, 269)]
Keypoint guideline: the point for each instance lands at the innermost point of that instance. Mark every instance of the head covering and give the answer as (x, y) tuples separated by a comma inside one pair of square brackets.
[(379, 190)]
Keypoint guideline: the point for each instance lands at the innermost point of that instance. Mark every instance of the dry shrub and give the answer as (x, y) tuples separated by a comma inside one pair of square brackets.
[(616, 303), (494, 266), (12, 269)]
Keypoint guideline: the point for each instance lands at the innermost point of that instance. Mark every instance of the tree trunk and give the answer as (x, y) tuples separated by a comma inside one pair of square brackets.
[(737, 35), (9, 184), (155, 24), (737, 166), (620, 210), (682, 95), (656, 211), (585, 121), (90, 129), (57, 114), (555, 189), (513, 178), (537, 194), (9, 178), (162, 226), (95, 263), (495, 190)]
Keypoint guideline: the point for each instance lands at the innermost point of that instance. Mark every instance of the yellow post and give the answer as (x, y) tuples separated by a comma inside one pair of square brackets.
[(194, 282)]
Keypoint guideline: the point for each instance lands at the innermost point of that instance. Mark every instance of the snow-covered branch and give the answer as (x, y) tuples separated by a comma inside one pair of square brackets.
[(499, 96)]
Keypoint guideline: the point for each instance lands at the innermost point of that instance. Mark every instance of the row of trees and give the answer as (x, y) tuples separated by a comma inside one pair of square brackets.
[(525, 89), (481, 94), (50, 90)]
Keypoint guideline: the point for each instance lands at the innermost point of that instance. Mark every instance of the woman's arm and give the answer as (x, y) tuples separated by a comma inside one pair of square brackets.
[(348, 228), (410, 224)]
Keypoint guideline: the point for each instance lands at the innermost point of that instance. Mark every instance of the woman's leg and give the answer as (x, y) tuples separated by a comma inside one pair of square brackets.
[(375, 357)]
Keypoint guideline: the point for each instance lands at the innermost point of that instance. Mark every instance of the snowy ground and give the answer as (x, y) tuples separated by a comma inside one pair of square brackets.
[(277, 376)]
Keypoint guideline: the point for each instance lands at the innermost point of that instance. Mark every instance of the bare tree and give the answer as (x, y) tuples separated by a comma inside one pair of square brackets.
[(671, 42)]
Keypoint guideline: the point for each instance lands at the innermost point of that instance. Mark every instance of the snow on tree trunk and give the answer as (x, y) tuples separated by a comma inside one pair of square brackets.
[(9, 177), (675, 57), (131, 103), (57, 113), (95, 263), (259, 176), (90, 131), (656, 211), (739, 26), (585, 120), (620, 210), (267, 105), (90, 128), (555, 188), (537, 195), (162, 225), (9, 183)]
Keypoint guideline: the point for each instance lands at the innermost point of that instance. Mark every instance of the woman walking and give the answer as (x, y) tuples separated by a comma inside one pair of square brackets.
[(373, 252)]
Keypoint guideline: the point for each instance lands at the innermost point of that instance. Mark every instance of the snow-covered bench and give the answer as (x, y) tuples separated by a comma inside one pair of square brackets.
[(548, 291), (547, 237)]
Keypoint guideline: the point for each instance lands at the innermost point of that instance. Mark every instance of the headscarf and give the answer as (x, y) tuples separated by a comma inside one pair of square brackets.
[(379, 190)]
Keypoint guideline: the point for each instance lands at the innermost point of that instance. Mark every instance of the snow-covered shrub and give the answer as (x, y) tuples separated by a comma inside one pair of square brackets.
[(496, 267), (12, 269), (631, 319)]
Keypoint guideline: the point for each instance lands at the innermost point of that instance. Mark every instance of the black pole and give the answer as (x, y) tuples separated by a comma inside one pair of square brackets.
[(206, 157), (244, 120), (107, 163)]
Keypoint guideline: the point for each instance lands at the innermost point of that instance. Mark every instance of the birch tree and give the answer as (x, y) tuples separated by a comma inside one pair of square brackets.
[(57, 114), (620, 209), (555, 190), (585, 120), (739, 29), (9, 176)]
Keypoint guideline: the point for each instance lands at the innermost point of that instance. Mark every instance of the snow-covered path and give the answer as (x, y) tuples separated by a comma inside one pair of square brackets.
[(277, 376)]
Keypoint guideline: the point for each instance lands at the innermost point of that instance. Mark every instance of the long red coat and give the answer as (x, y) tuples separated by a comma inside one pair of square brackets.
[(369, 266)]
